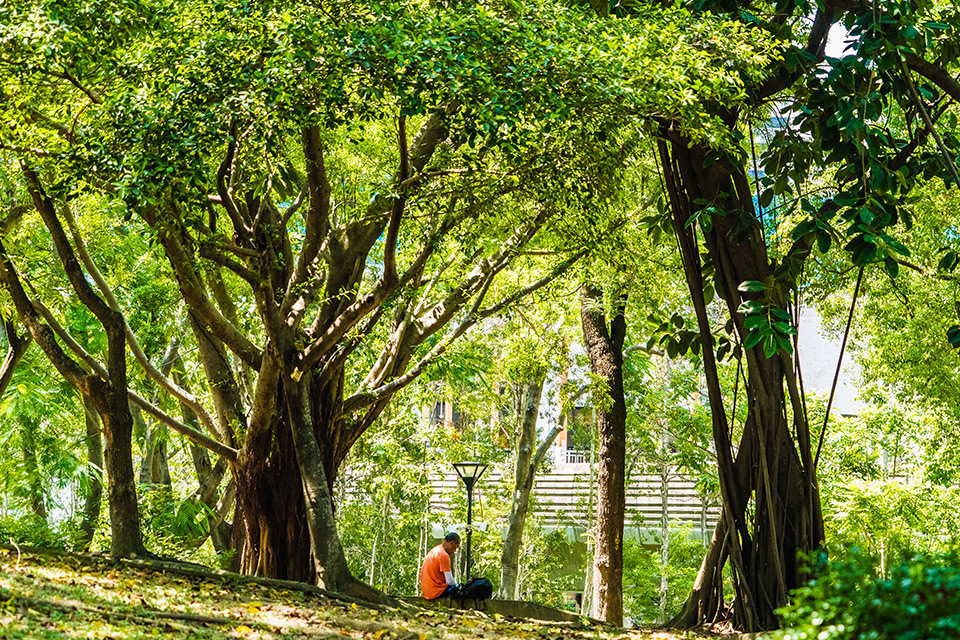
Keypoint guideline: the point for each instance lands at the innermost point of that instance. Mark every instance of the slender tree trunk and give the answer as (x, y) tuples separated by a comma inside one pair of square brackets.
[(586, 602), (524, 475), (154, 467), (28, 447), (605, 350), (94, 498), (379, 539), (664, 530)]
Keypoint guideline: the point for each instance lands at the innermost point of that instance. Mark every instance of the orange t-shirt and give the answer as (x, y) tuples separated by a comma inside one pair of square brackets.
[(432, 579)]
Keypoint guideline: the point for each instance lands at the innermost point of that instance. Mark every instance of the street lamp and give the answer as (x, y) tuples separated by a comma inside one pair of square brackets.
[(469, 472)]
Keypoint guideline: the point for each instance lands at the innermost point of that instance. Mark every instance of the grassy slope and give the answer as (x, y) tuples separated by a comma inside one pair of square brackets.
[(47, 595)]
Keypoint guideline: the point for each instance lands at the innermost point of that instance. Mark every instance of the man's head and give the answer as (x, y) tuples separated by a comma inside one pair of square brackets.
[(451, 542)]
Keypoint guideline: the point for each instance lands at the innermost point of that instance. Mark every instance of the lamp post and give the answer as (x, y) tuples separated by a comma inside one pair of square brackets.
[(469, 472)]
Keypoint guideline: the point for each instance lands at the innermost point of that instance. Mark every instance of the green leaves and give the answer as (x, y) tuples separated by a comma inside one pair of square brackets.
[(953, 336), (767, 324), (752, 286), (673, 335), (949, 260)]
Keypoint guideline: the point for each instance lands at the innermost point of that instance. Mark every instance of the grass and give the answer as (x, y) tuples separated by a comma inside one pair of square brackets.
[(51, 595)]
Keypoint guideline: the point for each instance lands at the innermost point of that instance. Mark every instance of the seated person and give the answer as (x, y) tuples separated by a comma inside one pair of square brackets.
[(436, 574)]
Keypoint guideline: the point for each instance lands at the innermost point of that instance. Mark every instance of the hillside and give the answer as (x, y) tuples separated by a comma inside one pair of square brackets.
[(51, 595)]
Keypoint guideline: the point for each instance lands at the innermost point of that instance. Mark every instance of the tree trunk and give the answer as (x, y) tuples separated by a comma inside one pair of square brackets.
[(111, 404), (771, 507), (28, 446), (664, 528), (605, 350), (108, 392), (586, 600), (524, 475), (94, 498), (154, 468), (330, 563), (270, 520)]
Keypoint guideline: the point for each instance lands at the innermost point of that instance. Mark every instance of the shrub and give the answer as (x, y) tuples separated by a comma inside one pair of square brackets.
[(919, 599)]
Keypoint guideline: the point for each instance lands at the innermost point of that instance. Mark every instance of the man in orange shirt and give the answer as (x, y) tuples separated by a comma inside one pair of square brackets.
[(436, 574)]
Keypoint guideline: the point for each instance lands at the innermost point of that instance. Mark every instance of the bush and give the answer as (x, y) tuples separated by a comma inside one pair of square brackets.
[(918, 600), (642, 572), (34, 532)]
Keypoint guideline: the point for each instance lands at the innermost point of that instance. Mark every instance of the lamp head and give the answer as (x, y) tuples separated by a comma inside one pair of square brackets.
[(469, 472)]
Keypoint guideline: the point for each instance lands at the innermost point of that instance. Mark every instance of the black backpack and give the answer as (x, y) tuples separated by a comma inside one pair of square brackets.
[(476, 589)]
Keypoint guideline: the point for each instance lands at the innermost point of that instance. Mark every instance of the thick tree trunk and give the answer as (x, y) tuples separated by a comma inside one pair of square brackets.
[(771, 508), (524, 475), (270, 531), (94, 499), (605, 350), (111, 404), (330, 562), (284, 500)]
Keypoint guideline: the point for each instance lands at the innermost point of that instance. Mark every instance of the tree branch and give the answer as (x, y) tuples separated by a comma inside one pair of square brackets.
[(399, 203), (42, 333), (364, 399), (241, 271), (225, 186), (195, 436), (191, 286), (934, 74), (155, 374)]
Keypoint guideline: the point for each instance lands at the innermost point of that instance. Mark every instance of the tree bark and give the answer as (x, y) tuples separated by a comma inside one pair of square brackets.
[(524, 475), (93, 500), (16, 348), (112, 405), (605, 350)]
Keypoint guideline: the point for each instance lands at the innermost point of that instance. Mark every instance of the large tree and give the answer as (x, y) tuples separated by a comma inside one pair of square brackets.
[(339, 191), (864, 127)]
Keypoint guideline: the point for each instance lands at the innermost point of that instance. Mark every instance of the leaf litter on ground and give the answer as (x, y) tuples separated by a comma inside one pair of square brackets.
[(50, 595)]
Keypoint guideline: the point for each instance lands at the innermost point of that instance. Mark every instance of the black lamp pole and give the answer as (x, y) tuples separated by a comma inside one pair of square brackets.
[(469, 472)]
